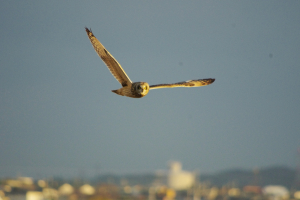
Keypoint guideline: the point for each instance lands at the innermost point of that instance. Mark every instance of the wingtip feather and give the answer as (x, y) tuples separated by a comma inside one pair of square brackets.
[(89, 31)]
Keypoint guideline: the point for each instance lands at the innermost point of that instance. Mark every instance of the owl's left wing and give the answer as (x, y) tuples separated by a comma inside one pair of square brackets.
[(112, 64), (191, 83)]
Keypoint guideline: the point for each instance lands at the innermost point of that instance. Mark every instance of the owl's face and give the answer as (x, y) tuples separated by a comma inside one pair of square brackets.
[(141, 88)]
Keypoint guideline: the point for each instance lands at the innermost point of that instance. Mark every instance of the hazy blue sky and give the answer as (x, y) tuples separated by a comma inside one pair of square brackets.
[(58, 115)]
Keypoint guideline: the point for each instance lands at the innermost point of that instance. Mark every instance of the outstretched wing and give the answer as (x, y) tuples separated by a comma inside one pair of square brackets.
[(191, 83), (112, 64)]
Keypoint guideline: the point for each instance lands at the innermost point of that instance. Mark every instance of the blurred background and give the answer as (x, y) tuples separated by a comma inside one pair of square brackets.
[(59, 118)]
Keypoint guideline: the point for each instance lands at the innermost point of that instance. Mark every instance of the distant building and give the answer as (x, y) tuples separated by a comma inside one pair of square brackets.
[(276, 192), (50, 193), (87, 189), (66, 189), (179, 179), (34, 195)]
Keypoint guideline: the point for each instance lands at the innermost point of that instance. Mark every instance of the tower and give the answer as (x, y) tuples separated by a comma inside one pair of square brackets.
[(297, 177)]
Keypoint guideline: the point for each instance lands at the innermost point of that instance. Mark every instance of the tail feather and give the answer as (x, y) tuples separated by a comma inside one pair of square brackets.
[(124, 91)]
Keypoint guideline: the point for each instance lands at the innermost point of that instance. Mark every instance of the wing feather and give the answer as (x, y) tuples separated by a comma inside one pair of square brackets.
[(112, 64), (191, 83)]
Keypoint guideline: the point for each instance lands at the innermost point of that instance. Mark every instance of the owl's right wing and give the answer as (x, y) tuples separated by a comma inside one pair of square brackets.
[(191, 83), (112, 64)]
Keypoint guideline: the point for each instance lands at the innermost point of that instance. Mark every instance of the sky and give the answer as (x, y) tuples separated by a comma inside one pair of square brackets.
[(58, 116)]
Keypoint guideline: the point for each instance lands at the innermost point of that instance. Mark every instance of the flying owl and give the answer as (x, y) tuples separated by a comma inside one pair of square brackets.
[(136, 89)]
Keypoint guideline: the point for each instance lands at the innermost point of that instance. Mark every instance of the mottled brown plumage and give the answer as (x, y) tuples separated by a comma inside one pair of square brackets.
[(137, 89)]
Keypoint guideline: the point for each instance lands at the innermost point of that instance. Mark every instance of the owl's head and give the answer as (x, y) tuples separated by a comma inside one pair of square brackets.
[(141, 88)]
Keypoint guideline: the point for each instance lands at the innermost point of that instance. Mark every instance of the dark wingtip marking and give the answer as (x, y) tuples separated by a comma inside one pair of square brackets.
[(106, 51), (124, 84), (209, 80), (89, 31)]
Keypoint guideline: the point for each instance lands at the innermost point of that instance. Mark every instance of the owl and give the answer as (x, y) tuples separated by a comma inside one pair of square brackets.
[(136, 89)]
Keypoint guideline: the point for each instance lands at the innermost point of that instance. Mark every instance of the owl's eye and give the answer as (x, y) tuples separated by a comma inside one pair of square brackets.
[(139, 87)]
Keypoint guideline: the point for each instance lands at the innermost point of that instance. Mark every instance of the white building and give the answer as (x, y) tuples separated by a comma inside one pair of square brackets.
[(66, 189), (276, 192), (179, 179)]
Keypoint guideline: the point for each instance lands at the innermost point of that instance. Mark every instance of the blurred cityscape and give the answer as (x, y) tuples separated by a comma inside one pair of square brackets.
[(175, 183)]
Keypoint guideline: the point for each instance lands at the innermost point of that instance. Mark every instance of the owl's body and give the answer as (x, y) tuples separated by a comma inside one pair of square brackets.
[(136, 89)]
